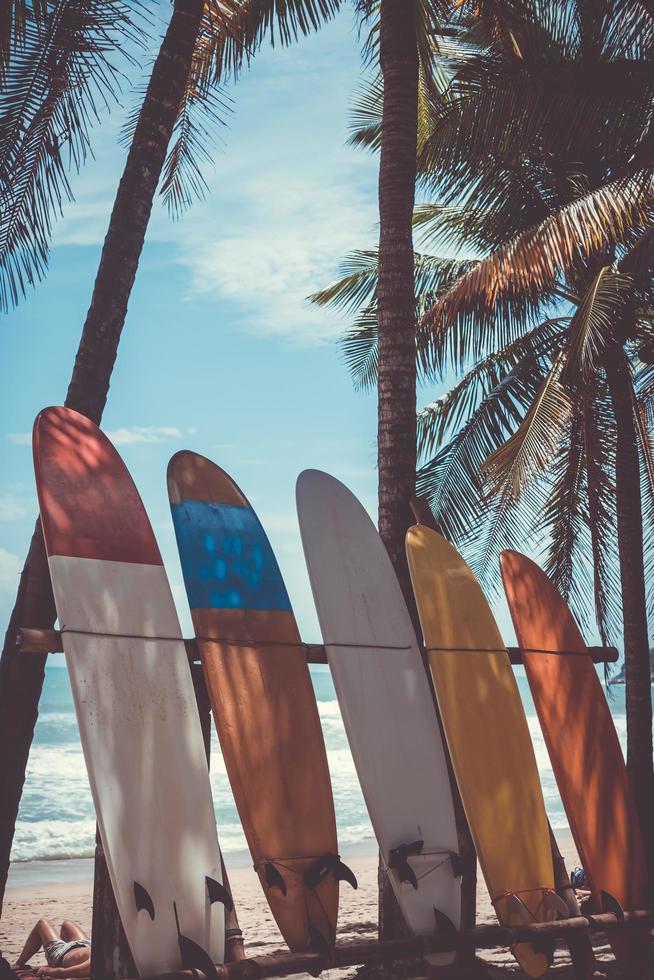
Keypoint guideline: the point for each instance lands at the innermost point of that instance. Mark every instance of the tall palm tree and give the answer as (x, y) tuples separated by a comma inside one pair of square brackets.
[(542, 159), (401, 39), (396, 432), (205, 39)]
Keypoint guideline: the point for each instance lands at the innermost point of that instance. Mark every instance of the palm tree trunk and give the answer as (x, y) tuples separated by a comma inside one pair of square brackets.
[(632, 574), (396, 433), (21, 676)]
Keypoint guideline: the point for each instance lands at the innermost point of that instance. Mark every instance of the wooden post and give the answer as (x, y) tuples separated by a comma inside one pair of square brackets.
[(579, 944), (111, 957), (20, 689), (482, 937), (49, 641)]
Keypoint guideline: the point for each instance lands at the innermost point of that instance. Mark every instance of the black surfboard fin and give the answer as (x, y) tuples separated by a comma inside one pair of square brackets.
[(143, 900), (611, 904), (218, 893), (398, 860), (329, 864), (274, 878), (318, 943), (341, 872), (544, 945), (196, 958), (193, 956), (553, 902), (446, 928), (458, 864)]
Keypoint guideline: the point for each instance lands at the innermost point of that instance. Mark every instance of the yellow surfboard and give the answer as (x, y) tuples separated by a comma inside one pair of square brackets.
[(488, 737)]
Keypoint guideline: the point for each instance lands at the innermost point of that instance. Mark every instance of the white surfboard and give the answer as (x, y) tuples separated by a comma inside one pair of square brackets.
[(133, 695), (384, 696)]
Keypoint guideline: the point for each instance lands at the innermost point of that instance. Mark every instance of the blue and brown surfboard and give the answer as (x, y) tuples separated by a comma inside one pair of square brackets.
[(262, 698)]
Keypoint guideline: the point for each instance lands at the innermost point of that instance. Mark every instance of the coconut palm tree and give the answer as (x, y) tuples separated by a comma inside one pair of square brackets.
[(404, 43), (57, 67), (541, 157), (205, 40)]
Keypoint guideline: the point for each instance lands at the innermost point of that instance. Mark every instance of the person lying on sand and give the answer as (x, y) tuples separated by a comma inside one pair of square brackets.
[(68, 954)]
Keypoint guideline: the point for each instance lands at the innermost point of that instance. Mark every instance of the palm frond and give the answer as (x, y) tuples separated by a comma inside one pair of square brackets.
[(202, 112), (600, 444), (504, 110), (366, 115), (360, 350), (242, 26), (523, 274), (593, 324), (14, 15), (453, 481), (59, 75), (531, 447), (355, 293), (564, 520), (356, 285), (643, 434), (452, 410)]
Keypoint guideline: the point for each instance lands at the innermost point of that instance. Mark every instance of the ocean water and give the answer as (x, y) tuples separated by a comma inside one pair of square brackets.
[(56, 817)]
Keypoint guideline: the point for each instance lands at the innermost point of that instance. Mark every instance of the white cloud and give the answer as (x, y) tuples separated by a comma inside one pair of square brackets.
[(291, 246), (10, 568), (287, 198), (124, 436), (12, 507), (138, 434)]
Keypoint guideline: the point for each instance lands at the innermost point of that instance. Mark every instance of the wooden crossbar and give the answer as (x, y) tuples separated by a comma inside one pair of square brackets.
[(50, 641), (352, 954)]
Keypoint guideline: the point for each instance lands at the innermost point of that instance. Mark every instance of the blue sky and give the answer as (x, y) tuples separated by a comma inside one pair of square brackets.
[(221, 353)]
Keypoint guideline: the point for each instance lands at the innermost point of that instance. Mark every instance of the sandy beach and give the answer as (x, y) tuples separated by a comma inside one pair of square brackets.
[(27, 900)]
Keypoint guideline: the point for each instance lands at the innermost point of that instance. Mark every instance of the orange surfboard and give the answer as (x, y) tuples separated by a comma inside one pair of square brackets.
[(583, 747), (262, 698)]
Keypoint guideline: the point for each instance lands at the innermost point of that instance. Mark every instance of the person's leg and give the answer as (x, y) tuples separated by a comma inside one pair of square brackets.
[(42, 933), (70, 931)]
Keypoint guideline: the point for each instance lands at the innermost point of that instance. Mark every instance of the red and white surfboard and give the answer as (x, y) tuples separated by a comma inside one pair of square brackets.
[(133, 695)]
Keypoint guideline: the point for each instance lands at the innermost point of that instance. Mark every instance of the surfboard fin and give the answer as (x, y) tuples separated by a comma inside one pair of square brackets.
[(458, 864), (398, 861), (329, 864), (218, 893), (554, 903), (445, 927), (193, 956), (544, 945), (611, 904), (515, 906), (274, 879), (319, 942), (341, 872), (196, 958), (143, 900)]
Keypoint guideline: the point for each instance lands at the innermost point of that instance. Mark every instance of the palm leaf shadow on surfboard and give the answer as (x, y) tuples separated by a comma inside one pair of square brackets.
[(383, 693), (133, 694), (488, 737), (592, 779), (263, 702)]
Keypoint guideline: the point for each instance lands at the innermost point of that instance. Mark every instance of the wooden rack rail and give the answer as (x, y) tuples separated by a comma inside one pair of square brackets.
[(352, 954), (50, 641)]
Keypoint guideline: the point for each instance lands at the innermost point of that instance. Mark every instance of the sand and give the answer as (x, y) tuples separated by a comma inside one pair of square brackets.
[(24, 903)]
